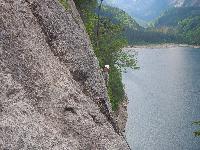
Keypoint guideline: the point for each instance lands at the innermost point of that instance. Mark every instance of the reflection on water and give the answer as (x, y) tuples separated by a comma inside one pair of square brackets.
[(164, 99)]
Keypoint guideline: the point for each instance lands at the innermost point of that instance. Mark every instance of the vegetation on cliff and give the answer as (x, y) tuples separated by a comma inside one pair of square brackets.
[(107, 45), (117, 29), (64, 3)]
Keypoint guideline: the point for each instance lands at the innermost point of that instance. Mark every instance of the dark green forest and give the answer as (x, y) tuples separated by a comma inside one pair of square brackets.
[(133, 32), (176, 25), (173, 16), (184, 22)]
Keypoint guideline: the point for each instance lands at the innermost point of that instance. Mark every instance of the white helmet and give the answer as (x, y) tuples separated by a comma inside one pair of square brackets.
[(107, 66)]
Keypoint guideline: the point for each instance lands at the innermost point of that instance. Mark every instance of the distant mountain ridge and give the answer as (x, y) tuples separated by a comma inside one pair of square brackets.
[(185, 3), (173, 16), (131, 30), (119, 16), (142, 9), (149, 10), (186, 21)]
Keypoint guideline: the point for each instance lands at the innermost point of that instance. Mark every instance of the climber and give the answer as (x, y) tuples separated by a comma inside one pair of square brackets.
[(106, 74)]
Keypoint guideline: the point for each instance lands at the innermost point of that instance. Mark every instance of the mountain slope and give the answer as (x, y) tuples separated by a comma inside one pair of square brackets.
[(149, 9), (119, 16), (141, 9), (52, 95), (190, 29), (186, 21), (132, 31), (173, 16)]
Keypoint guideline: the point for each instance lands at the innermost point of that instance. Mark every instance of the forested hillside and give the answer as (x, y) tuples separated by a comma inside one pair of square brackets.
[(173, 16), (149, 10), (170, 27), (183, 20), (119, 16), (142, 9), (132, 31)]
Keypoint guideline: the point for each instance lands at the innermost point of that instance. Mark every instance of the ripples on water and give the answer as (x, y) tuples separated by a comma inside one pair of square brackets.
[(164, 99)]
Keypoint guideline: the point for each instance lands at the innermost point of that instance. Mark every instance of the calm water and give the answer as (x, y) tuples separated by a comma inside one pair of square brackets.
[(164, 99)]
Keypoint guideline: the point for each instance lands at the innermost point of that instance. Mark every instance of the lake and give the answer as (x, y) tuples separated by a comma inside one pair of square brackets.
[(164, 99)]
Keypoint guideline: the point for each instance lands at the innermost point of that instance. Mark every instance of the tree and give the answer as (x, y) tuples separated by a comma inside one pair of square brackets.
[(108, 41), (98, 22)]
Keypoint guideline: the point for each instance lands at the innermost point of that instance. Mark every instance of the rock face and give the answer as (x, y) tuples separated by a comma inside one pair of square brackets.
[(121, 115), (52, 95)]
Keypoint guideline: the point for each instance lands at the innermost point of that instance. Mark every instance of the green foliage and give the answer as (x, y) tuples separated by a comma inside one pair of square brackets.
[(109, 48), (86, 9), (150, 35), (119, 16), (173, 16), (110, 52), (64, 3), (134, 33), (185, 23), (197, 133), (116, 89), (190, 30)]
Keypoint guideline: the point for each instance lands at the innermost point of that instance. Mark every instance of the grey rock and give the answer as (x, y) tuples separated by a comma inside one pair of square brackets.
[(50, 81), (121, 115)]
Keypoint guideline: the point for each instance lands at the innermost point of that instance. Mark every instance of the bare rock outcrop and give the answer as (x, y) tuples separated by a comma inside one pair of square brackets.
[(52, 95), (121, 115)]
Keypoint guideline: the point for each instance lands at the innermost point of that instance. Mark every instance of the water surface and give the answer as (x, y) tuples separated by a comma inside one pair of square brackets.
[(164, 99)]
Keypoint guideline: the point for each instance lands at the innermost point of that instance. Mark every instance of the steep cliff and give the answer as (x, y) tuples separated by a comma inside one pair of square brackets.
[(52, 94)]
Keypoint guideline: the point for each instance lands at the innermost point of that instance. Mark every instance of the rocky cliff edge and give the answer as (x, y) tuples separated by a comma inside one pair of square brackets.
[(52, 95)]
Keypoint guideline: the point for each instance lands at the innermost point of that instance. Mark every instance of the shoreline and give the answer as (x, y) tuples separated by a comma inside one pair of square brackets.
[(155, 46)]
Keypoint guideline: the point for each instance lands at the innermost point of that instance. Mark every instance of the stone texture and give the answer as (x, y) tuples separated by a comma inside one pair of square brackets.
[(121, 115), (51, 89)]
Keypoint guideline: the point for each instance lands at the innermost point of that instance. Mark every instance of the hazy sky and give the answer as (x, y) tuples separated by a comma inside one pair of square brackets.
[(142, 9)]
